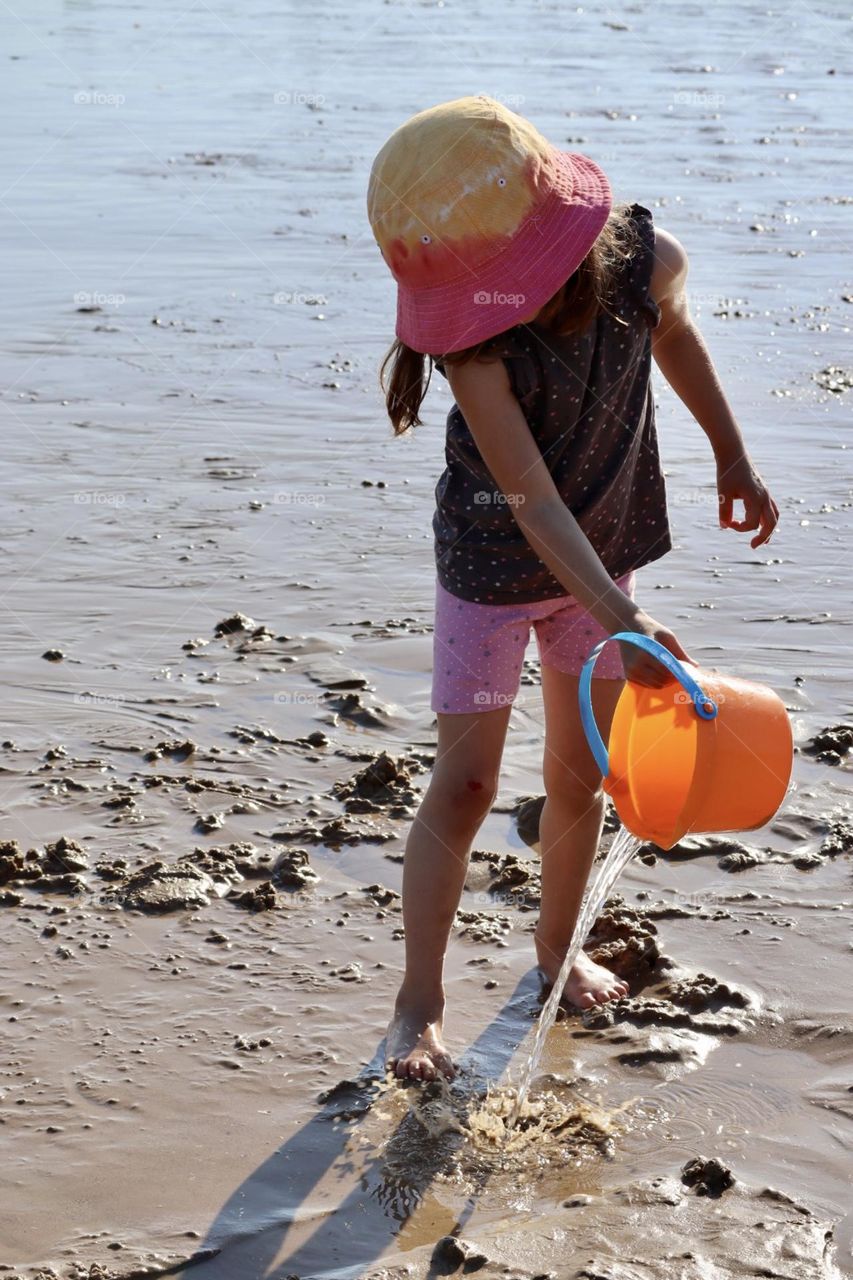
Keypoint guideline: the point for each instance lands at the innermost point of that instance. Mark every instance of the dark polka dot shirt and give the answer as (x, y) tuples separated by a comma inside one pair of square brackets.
[(588, 400)]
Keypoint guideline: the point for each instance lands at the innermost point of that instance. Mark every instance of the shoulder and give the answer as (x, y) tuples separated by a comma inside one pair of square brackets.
[(669, 270), (484, 376)]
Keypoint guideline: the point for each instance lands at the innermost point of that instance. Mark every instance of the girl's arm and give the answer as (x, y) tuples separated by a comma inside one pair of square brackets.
[(494, 417), (684, 360)]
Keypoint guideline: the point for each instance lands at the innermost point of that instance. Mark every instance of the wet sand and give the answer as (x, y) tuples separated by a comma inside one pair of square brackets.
[(216, 654)]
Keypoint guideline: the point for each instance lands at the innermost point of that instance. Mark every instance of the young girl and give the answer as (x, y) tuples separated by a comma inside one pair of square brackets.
[(542, 304)]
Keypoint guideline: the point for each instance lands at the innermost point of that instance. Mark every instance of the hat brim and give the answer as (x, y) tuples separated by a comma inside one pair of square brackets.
[(540, 257)]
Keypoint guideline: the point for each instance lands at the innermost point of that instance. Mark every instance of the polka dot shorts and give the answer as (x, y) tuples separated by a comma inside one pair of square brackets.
[(478, 649)]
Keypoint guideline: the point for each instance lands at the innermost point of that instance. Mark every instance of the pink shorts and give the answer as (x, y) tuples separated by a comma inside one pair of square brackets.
[(478, 649)]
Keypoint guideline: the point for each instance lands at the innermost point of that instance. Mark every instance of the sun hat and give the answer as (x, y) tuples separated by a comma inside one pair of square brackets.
[(480, 219)]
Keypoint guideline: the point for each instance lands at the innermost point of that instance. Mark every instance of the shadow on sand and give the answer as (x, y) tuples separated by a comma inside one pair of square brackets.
[(380, 1190)]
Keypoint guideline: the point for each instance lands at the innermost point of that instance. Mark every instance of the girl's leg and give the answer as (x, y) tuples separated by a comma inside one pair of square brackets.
[(460, 794), (570, 829)]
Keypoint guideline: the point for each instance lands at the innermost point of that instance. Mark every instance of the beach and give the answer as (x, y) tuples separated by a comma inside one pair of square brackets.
[(216, 651)]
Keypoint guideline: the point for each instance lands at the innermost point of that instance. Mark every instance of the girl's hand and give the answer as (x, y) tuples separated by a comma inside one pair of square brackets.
[(740, 480), (641, 666)]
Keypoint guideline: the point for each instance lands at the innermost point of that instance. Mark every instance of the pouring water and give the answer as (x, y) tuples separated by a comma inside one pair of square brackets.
[(622, 850)]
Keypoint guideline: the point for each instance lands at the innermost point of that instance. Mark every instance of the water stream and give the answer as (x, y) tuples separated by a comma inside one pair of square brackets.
[(622, 850)]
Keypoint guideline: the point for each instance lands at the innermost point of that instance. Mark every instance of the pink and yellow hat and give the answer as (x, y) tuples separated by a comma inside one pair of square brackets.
[(480, 220)]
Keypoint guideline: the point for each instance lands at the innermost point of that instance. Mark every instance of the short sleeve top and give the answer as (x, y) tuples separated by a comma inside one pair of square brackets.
[(587, 398)]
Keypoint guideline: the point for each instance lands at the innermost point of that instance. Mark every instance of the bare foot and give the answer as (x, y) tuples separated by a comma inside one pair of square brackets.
[(414, 1048), (588, 984)]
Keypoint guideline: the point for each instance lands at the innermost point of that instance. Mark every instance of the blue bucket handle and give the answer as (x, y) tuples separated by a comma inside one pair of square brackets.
[(705, 707)]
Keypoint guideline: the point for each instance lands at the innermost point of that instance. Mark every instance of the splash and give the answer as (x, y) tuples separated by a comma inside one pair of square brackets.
[(556, 1122), (621, 851), (577, 1121)]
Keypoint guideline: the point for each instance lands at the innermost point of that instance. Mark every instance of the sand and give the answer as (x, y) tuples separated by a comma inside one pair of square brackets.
[(216, 654)]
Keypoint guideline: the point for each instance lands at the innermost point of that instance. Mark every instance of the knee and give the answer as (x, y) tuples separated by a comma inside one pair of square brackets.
[(580, 789), (467, 796)]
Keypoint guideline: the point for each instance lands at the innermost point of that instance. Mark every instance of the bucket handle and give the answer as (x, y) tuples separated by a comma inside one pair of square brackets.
[(704, 706)]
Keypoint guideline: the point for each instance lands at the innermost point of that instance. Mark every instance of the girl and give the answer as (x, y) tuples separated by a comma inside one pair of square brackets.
[(542, 304)]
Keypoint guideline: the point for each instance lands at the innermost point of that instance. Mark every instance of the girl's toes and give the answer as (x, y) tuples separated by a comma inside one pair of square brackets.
[(444, 1064)]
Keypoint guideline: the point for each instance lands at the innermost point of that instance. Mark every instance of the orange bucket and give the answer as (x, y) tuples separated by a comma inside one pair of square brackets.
[(703, 753)]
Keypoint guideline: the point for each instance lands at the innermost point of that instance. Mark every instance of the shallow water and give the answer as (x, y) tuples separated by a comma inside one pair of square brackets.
[(160, 476)]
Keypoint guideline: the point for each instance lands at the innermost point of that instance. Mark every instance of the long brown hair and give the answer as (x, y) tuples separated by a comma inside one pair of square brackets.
[(404, 375)]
